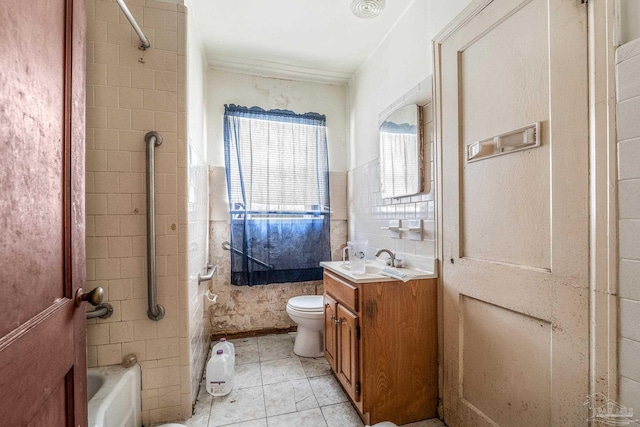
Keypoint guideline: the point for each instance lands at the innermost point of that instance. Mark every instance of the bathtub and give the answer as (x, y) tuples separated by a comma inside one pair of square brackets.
[(114, 396)]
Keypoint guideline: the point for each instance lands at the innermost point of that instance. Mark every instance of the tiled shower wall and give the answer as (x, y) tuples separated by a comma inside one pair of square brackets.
[(369, 212), (244, 308), (628, 111), (130, 92)]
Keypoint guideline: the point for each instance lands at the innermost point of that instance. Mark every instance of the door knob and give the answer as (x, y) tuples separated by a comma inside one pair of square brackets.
[(93, 297)]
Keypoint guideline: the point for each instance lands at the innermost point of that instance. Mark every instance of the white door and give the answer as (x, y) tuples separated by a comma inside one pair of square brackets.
[(515, 226)]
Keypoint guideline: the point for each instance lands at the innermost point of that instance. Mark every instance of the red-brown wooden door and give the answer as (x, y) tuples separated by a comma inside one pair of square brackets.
[(348, 367), (42, 256), (330, 331)]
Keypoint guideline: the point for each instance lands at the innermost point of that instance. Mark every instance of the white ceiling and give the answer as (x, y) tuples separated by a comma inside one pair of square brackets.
[(321, 35)]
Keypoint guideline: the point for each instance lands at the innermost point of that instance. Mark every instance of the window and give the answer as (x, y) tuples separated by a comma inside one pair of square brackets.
[(278, 185)]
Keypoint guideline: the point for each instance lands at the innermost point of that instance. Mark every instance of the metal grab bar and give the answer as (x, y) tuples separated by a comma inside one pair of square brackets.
[(227, 247), (103, 311), (155, 310), (211, 270), (144, 41)]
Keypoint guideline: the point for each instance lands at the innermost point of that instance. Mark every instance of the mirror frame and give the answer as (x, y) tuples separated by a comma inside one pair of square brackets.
[(420, 188)]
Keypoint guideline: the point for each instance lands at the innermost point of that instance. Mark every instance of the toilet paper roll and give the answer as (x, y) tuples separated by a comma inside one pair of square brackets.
[(212, 298)]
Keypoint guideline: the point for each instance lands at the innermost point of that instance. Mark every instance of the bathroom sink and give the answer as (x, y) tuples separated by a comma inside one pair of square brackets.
[(373, 272), (370, 268)]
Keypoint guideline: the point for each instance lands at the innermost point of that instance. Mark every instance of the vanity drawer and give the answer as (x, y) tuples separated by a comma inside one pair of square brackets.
[(344, 292)]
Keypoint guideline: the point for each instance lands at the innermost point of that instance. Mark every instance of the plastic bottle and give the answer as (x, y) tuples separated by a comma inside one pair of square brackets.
[(227, 347), (220, 374)]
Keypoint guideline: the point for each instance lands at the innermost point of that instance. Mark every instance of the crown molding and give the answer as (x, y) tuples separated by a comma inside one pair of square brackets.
[(274, 69)]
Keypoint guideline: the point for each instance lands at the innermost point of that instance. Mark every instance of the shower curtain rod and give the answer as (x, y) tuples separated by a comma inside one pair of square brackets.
[(144, 41)]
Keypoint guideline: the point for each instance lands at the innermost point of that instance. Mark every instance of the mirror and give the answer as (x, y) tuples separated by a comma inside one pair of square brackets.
[(402, 153)]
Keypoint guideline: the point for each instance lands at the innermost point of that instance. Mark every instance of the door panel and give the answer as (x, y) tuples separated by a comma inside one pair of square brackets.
[(348, 371), (515, 227), (330, 329), (42, 260)]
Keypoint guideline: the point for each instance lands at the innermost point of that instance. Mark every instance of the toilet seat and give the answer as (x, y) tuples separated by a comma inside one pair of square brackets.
[(306, 303)]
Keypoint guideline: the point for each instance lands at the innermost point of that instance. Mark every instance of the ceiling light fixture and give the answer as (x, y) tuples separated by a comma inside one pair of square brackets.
[(367, 8)]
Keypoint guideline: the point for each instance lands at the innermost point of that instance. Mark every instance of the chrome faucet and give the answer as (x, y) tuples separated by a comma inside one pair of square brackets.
[(392, 258)]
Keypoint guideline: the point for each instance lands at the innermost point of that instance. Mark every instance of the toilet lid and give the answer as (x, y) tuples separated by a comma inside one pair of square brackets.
[(306, 303)]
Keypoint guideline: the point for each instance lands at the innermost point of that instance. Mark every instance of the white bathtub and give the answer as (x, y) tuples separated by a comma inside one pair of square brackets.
[(114, 396)]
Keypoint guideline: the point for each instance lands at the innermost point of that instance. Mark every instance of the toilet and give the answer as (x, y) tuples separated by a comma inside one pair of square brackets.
[(307, 311)]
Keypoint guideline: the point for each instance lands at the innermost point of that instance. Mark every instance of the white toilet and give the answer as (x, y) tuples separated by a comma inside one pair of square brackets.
[(307, 311)]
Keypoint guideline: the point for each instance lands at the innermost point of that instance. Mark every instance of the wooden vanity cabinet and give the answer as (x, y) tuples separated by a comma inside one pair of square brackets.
[(381, 342)]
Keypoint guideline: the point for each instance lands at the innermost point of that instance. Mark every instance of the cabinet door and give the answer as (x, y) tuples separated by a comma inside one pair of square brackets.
[(330, 329), (348, 368)]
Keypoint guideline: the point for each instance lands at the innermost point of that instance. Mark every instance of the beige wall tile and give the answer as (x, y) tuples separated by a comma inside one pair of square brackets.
[(138, 162), (119, 118), (107, 11), (106, 53), (133, 225), (132, 182), (166, 204), (142, 78), (110, 354), (169, 396), (154, 18), (166, 80), (119, 33), (106, 96), (98, 334), (120, 332), (106, 139), (132, 140), (132, 267), (119, 204), (96, 161), (134, 309), (166, 245), (106, 182), (155, 377), (96, 247), (96, 74), (134, 347), (130, 98), (107, 268), (96, 204), (107, 225), (166, 163), (119, 161), (92, 356), (145, 329), (96, 117), (118, 75), (142, 120), (120, 289), (97, 31), (166, 122)]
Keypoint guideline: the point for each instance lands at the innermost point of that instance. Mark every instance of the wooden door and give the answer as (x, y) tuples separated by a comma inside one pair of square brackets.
[(348, 370), (42, 259), (330, 331), (515, 226)]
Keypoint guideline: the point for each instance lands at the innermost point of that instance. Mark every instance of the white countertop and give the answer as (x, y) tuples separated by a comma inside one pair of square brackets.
[(372, 273)]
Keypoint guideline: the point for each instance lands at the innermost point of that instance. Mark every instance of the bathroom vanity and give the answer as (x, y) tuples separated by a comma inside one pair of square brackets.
[(380, 338)]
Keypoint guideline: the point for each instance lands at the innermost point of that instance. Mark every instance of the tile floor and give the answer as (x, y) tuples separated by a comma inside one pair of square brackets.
[(275, 388)]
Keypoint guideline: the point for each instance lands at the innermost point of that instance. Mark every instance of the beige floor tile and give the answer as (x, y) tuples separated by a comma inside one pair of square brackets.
[(247, 375), (273, 350), (238, 406), (247, 354), (309, 418), (289, 396), (327, 390), (341, 415), (277, 371), (315, 367)]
